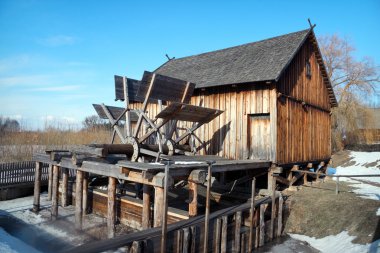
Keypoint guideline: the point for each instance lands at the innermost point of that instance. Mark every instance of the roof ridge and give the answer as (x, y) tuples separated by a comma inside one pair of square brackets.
[(228, 48)]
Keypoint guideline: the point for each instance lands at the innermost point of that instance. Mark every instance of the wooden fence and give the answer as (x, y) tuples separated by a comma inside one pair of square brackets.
[(21, 173), (229, 230)]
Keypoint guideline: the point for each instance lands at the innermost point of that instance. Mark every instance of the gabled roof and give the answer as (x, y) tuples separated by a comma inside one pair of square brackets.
[(259, 61)]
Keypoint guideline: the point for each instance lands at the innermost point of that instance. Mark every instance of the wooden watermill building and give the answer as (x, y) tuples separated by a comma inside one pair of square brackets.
[(275, 94)]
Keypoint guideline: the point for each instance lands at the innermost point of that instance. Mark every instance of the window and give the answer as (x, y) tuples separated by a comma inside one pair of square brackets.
[(308, 69)]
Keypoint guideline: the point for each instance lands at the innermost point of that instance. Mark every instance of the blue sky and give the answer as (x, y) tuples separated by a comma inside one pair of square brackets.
[(59, 57)]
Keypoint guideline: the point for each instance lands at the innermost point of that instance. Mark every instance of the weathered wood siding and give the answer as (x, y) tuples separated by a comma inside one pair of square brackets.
[(303, 133), (227, 135)]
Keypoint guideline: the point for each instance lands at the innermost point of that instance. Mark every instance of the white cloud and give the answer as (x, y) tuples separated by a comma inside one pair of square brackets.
[(58, 88), (26, 80), (57, 40), (69, 119)]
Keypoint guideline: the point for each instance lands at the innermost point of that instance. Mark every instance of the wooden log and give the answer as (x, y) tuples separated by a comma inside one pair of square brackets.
[(85, 193), (223, 245), (257, 226), (252, 212), (111, 207), (146, 221), (262, 225), (78, 200), (54, 200), (37, 187), (218, 227), (207, 212), (158, 202), (65, 181), (50, 181), (279, 220), (237, 230)]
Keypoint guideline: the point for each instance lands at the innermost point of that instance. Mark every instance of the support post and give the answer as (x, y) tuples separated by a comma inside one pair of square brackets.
[(50, 181), (111, 208), (237, 230), (207, 213), (193, 195), (78, 200), (85, 193), (262, 224), (273, 210), (158, 202), (37, 187), (65, 180), (223, 246), (196, 177), (165, 207), (252, 213), (146, 222), (54, 197), (279, 220)]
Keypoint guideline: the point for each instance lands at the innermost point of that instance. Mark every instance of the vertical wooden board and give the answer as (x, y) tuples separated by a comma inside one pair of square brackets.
[(224, 239), (222, 122), (244, 140), (228, 120), (233, 124), (238, 118)]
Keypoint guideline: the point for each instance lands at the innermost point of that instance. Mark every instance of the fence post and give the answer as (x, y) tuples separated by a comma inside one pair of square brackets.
[(37, 187), (54, 199), (207, 218), (250, 240)]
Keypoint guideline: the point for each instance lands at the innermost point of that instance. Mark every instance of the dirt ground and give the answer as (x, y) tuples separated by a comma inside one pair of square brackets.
[(316, 211)]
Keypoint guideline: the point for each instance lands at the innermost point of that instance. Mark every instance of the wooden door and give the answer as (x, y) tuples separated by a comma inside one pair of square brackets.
[(259, 136)]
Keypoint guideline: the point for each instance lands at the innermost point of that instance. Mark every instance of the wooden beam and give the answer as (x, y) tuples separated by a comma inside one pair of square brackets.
[(218, 229), (207, 212), (165, 208), (158, 202), (273, 209), (111, 207), (223, 246), (237, 230), (54, 201), (262, 224), (279, 220), (50, 180), (64, 193), (85, 193), (37, 187), (78, 201), (252, 213), (146, 221), (193, 197)]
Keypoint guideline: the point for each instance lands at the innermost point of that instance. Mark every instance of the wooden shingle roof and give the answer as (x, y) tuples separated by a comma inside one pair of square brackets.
[(259, 61)]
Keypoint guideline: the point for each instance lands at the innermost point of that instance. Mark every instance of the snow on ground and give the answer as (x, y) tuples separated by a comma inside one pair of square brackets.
[(340, 243), (365, 163), (10, 244), (19, 208)]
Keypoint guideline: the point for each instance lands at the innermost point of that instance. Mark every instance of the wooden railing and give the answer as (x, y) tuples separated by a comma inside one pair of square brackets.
[(20, 173), (230, 230)]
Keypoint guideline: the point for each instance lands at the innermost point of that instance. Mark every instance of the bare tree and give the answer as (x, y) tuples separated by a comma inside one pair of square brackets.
[(353, 80)]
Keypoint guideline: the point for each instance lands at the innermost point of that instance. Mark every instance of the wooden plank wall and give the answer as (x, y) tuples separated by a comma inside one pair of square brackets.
[(303, 133), (227, 134)]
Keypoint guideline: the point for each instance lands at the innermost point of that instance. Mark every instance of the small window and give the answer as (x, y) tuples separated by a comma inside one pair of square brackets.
[(308, 69)]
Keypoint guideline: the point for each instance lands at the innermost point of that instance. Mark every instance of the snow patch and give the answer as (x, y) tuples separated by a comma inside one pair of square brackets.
[(378, 212), (366, 187), (338, 243)]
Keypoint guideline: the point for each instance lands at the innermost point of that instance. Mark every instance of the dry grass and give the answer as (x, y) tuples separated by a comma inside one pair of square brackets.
[(20, 146)]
